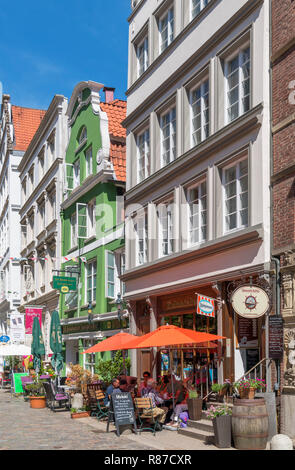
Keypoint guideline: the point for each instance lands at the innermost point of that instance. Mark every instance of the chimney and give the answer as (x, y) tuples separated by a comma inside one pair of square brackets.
[(109, 94)]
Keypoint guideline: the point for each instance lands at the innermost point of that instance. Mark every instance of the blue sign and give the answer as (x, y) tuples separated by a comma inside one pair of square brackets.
[(4, 339)]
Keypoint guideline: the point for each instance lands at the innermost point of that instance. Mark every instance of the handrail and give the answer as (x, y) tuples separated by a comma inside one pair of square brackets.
[(244, 375), (253, 368)]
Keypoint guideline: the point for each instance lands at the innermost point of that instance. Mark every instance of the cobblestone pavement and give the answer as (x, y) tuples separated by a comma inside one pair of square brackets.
[(24, 428)]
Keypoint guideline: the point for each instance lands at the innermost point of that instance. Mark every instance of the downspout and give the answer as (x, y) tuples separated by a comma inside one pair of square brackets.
[(273, 259)]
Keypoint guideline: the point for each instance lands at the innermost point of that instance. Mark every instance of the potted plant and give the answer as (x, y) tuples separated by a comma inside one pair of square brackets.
[(194, 404), (221, 418), (36, 394), (80, 413), (248, 387), (219, 390)]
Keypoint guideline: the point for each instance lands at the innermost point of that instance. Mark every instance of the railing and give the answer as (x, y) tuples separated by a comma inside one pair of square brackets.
[(261, 367)]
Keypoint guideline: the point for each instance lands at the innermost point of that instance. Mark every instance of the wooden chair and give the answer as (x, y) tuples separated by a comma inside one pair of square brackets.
[(85, 394), (101, 411), (143, 405), (91, 394)]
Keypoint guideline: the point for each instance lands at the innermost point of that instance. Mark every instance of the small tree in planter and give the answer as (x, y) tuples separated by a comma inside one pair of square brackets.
[(108, 370), (194, 404), (221, 418)]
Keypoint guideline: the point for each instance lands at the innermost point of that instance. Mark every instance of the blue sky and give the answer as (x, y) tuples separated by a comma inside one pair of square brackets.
[(47, 47)]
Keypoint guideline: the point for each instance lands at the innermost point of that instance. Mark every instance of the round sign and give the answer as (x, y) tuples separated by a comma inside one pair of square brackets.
[(250, 301), (4, 339), (64, 289)]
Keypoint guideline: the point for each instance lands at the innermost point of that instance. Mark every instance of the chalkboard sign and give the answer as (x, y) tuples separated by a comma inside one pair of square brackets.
[(123, 409), (276, 337)]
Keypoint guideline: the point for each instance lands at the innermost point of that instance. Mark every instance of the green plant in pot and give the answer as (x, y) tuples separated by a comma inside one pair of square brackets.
[(221, 417), (248, 387), (194, 404), (36, 394)]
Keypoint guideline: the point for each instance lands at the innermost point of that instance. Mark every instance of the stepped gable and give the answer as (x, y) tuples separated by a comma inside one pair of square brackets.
[(26, 122)]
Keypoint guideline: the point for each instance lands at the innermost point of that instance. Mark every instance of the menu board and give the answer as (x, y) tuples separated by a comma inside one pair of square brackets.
[(123, 410), (276, 337), (247, 332)]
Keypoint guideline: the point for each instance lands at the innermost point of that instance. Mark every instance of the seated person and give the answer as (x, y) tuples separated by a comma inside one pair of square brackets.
[(114, 386), (162, 387), (143, 385), (123, 386), (156, 400), (179, 408)]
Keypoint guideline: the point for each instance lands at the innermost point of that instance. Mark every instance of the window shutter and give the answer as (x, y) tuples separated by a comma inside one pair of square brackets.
[(68, 177)]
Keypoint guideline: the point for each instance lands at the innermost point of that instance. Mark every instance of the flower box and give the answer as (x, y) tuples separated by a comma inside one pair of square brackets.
[(81, 414)]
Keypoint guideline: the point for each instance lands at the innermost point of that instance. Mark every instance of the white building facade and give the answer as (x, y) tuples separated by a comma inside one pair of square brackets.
[(41, 181), (17, 127), (197, 190)]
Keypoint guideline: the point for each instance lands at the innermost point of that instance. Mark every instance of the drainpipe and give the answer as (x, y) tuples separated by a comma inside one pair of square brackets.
[(278, 314)]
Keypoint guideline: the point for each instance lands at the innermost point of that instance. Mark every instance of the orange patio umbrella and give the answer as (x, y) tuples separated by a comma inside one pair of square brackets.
[(113, 343), (170, 335)]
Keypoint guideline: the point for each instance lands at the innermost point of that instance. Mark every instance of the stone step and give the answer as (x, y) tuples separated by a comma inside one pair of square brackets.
[(202, 425), (199, 434)]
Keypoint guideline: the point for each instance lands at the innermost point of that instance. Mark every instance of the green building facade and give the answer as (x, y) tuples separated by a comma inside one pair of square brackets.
[(93, 222)]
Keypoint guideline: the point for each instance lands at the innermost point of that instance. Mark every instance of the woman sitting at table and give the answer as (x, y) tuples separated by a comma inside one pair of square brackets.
[(156, 401), (179, 408)]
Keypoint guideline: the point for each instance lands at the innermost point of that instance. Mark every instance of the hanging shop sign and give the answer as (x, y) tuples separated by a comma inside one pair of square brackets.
[(64, 283), (206, 306), (250, 301)]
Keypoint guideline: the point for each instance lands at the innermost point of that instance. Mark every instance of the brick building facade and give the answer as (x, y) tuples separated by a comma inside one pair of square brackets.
[(283, 190)]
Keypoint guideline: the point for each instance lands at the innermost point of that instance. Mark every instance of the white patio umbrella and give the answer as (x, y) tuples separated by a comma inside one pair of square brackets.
[(15, 350)]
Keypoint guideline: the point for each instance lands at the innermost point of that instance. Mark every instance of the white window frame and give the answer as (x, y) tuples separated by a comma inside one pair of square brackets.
[(68, 177), (83, 135), (92, 265), (169, 240), (203, 109), (166, 21), (142, 54), (238, 194), (172, 125), (197, 6), (238, 53), (73, 223), (89, 365), (107, 280), (88, 161), (141, 230), (143, 155), (82, 220), (91, 206), (201, 203), (76, 174)]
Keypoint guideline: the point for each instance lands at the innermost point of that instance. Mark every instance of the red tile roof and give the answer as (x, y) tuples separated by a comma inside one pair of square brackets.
[(116, 112), (25, 121)]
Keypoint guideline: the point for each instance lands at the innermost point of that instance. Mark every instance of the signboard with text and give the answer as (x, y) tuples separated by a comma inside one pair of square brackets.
[(123, 409), (276, 337), (64, 284), (31, 313)]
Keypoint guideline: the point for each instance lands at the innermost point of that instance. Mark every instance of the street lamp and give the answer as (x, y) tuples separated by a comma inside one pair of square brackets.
[(119, 303), (90, 314)]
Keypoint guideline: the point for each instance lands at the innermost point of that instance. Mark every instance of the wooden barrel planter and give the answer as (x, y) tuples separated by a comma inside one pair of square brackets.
[(250, 424), (194, 408)]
